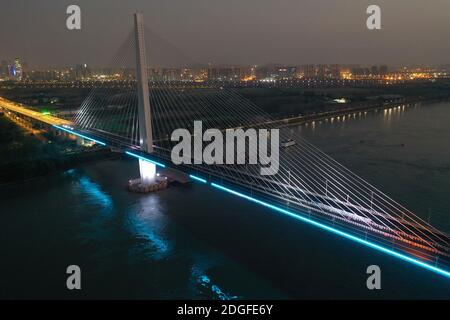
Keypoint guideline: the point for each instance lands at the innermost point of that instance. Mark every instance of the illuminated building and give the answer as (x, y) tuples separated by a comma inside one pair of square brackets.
[(17, 70), (4, 69), (309, 71), (82, 71)]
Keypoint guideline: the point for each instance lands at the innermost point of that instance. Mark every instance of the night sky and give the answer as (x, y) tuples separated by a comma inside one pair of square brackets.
[(232, 31)]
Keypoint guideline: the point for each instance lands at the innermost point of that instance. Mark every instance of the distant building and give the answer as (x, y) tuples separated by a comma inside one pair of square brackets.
[(82, 71), (4, 69), (309, 71), (374, 70), (322, 71), (226, 73), (171, 74), (335, 71), (17, 70), (383, 70), (285, 72)]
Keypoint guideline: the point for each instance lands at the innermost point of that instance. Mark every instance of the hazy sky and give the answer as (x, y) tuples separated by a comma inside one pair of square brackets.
[(232, 31)]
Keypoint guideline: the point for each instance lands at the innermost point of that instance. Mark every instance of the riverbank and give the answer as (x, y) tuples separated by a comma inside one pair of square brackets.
[(24, 156), (329, 115)]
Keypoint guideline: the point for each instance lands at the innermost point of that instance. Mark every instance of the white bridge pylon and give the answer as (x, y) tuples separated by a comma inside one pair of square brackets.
[(147, 170)]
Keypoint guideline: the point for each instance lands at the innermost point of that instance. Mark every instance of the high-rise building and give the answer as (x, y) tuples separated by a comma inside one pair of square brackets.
[(374, 70), (321, 70), (4, 69), (82, 71), (383, 70), (17, 71), (309, 71), (335, 71)]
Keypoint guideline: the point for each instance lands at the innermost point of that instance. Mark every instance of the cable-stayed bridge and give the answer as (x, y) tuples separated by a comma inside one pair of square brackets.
[(140, 116)]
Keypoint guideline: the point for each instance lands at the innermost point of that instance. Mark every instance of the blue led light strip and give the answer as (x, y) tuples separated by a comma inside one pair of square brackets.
[(145, 159), (338, 232), (198, 179), (79, 135)]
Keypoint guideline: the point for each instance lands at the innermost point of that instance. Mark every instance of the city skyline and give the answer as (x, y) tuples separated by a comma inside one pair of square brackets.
[(20, 71)]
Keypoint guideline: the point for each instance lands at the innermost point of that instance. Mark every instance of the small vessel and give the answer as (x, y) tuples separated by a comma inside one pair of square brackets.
[(288, 143)]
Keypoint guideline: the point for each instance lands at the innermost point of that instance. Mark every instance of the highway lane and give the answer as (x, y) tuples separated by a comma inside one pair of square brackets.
[(21, 109)]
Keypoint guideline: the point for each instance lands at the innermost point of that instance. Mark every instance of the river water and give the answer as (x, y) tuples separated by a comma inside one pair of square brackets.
[(196, 242)]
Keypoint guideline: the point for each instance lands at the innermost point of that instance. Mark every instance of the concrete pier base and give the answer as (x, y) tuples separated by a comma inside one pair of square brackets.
[(149, 180), (139, 186)]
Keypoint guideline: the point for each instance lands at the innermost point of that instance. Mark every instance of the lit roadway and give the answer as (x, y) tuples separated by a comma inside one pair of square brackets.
[(18, 108)]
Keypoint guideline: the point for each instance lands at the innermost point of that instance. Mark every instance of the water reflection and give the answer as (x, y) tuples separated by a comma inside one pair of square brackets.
[(90, 190), (388, 113), (146, 220), (203, 282), (95, 194)]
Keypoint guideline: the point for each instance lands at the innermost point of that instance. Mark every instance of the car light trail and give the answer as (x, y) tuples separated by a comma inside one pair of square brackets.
[(145, 159), (79, 135), (336, 231)]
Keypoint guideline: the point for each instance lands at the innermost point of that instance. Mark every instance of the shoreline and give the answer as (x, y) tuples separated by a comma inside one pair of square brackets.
[(286, 122), (71, 163)]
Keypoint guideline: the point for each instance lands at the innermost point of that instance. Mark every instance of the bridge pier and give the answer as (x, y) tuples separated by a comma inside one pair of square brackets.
[(147, 171)]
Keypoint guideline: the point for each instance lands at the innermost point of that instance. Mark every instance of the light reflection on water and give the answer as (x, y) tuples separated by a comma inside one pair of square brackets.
[(389, 113), (201, 280), (95, 194), (146, 220)]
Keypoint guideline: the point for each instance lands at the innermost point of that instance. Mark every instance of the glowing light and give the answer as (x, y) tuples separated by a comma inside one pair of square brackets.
[(198, 179), (79, 135), (147, 170), (94, 191), (340, 100), (145, 159), (338, 232)]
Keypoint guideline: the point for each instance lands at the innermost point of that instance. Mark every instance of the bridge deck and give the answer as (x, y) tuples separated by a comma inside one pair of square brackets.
[(18, 108)]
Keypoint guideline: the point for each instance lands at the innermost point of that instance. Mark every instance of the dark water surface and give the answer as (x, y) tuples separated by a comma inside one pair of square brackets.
[(404, 151), (196, 242)]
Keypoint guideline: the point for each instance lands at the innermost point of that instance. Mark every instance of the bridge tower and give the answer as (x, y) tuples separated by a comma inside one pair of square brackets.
[(147, 169)]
